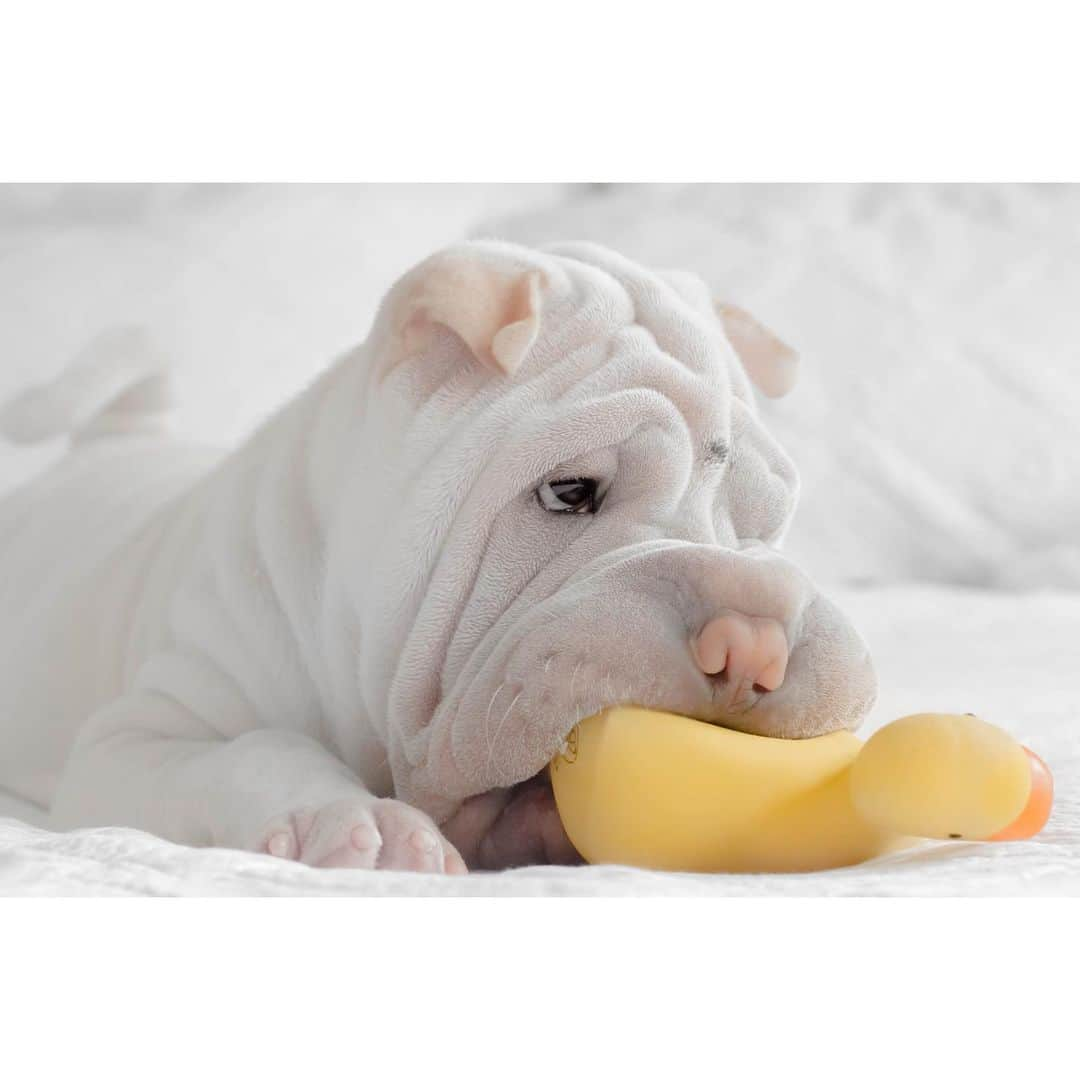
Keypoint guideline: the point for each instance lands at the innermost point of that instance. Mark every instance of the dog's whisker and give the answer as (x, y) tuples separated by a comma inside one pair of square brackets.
[(573, 680), (498, 730), (487, 715)]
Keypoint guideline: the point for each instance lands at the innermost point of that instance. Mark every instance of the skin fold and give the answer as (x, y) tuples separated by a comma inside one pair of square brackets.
[(358, 639)]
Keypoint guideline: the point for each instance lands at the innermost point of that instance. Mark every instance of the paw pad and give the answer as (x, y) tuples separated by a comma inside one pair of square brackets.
[(280, 845), (423, 841), (364, 838)]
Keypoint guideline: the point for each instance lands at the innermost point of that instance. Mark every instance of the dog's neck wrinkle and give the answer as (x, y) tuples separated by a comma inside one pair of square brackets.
[(253, 533), (311, 442)]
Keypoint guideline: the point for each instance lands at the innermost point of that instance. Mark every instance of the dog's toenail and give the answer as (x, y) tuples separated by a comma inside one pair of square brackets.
[(279, 844), (422, 840), (364, 837)]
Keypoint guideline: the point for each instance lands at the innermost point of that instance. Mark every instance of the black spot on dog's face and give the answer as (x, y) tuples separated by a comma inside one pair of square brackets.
[(716, 451)]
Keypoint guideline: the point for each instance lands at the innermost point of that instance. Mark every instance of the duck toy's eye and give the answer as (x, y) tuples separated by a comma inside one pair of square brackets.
[(576, 496)]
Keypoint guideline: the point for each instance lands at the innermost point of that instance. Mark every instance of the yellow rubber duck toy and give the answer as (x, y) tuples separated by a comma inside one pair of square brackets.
[(665, 792)]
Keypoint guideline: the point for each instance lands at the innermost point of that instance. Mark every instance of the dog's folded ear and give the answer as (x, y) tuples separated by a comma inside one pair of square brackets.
[(488, 298), (772, 366)]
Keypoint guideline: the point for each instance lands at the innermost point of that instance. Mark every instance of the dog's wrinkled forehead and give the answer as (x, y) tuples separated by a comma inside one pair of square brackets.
[(622, 325), (675, 308), (492, 326)]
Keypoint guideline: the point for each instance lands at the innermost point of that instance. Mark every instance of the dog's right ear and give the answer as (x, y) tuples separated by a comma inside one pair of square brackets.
[(772, 365), (489, 298)]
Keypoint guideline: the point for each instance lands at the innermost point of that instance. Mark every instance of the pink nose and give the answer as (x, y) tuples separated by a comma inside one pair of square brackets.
[(750, 651)]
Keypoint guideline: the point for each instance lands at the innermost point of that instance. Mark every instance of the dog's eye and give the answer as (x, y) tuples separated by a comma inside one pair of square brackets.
[(576, 496)]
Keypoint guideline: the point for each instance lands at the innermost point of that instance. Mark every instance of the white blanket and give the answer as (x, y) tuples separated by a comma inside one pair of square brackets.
[(1009, 658)]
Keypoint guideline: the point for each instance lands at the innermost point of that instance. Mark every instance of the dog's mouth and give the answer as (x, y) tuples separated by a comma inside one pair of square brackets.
[(514, 826), (520, 825)]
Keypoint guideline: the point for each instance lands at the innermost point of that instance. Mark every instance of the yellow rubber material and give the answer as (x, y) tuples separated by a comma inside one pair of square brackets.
[(666, 792), (941, 776)]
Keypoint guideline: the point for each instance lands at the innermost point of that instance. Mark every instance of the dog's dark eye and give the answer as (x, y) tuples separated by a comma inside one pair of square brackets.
[(568, 496)]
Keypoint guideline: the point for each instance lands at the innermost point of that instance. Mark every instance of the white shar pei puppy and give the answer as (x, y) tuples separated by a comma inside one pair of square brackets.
[(538, 489)]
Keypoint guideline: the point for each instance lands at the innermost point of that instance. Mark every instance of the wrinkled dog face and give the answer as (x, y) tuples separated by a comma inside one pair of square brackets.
[(564, 500)]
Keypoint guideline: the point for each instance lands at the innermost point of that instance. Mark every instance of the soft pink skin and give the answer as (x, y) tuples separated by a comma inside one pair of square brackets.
[(371, 834), (747, 653)]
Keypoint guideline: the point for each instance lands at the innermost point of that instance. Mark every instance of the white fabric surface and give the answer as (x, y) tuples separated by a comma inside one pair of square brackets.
[(1009, 658), (940, 331)]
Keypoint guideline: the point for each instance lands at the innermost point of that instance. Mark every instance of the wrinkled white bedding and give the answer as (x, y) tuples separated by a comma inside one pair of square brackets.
[(1010, 658)]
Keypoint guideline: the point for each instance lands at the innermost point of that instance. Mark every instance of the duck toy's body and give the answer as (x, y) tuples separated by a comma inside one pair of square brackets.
[(666, 792)]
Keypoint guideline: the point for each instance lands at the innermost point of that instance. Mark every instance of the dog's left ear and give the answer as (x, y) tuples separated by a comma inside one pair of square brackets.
[(486, 297), (772, 366)]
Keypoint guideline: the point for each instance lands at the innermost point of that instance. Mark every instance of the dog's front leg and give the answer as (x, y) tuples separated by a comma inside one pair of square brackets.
[(147, 762)]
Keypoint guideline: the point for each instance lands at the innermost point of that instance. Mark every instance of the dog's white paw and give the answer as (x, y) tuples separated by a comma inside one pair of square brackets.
[(363, 834)]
